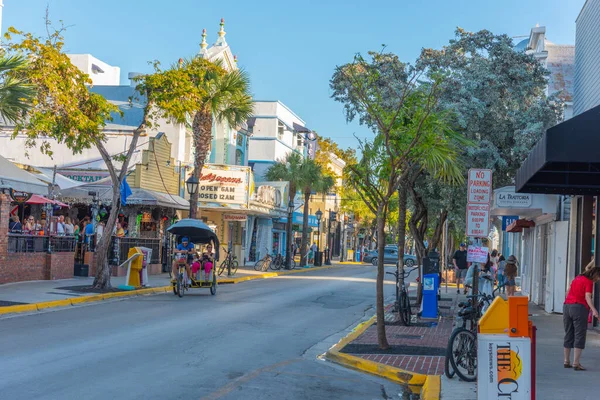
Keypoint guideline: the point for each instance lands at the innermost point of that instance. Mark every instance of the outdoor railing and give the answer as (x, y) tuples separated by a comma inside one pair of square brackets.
[(18, 243), (119, 248)]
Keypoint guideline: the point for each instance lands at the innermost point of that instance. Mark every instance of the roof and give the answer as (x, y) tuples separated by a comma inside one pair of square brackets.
[(13, 177), (133, 110), (103, 188)]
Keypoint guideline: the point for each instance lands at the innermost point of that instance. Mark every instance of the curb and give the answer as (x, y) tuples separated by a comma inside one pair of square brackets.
[(71, 301), (429, 386)]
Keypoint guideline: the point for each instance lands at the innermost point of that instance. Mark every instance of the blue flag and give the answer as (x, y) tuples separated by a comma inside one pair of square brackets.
[(125, 192)]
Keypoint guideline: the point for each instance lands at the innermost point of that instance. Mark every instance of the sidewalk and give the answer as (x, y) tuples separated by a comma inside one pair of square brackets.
[(552, 380), (417, 353), (42, 291)]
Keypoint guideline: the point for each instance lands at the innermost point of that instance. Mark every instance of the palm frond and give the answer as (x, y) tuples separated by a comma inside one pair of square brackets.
[(16, 95)]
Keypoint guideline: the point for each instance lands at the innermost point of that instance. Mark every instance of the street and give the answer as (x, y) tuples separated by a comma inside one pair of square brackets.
[(255, 340)]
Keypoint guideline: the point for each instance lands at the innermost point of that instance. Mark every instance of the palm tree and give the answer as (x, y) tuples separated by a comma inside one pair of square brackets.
[(287, 170), (224, 97), (16, 95), (312, 179)]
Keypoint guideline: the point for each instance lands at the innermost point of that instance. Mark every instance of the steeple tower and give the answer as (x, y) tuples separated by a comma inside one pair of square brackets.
[(221, 40), (203, 44)]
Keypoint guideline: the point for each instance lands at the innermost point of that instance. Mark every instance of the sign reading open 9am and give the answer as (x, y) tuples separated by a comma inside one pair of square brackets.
[(480, 186)]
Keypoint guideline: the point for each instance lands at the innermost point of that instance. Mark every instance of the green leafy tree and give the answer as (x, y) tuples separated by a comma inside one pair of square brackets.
[(398, 102), (497, 96), (216, 95), (16, 94), (311, 179), (287, 170)]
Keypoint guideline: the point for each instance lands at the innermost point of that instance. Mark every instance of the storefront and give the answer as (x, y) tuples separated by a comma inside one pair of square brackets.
[(531, 232), (565, 162), (223, 196)]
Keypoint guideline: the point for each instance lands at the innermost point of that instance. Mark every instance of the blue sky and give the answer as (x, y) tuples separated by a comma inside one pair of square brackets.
[(290, 49)]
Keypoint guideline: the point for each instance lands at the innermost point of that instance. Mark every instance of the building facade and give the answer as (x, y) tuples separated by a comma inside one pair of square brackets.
[(587, 59)]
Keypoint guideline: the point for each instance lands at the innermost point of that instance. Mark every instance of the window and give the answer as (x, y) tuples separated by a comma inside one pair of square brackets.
[(239, 157), (240, 140), (299, 140), (280, 130)]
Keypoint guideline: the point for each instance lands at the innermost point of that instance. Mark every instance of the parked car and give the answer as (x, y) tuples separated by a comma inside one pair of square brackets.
[(390, 257)]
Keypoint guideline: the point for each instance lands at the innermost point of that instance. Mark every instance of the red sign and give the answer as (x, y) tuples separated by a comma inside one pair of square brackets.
[(218, 178), (20, 197), (479, 190), (478, 220)]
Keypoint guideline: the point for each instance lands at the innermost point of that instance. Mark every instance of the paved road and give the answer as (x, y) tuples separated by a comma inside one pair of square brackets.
[(255, 340)]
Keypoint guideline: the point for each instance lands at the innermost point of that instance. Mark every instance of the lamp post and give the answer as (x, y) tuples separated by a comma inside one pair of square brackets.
[(288, 253), (318, 257), (328, 258), (192, 188)]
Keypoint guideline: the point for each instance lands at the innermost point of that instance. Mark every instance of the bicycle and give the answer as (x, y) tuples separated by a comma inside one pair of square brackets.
[(264, 263), (402, 299), (181, 279), (278, 262), (230, 264), (461, 353)]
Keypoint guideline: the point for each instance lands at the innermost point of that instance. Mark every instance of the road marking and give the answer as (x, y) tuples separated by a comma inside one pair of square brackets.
[(245, 379)]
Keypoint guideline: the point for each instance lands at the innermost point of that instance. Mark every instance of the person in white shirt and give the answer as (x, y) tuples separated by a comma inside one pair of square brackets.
[(60, 226)]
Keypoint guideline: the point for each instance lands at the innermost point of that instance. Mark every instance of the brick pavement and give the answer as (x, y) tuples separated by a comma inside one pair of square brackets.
[(411, 340)]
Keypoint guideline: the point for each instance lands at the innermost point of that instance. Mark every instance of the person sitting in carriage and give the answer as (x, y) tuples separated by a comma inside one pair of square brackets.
[(184, 252)]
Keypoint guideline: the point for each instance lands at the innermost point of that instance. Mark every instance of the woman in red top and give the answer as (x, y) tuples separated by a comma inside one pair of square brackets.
[(575, 315)]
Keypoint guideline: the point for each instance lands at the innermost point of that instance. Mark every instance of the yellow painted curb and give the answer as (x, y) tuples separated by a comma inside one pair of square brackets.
[(18, 308), (52, 304), (432, 388), (394, 374)]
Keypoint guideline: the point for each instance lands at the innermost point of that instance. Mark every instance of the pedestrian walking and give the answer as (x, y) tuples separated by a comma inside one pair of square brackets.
[(494, 258), (501, 276), (460, 266), (510, 272), (578, 304)]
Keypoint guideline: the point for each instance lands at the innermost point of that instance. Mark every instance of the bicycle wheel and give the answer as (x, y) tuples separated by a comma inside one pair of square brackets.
[(234, 267), (222, 267), (180, 285), (463, 345), (259, 265), (404, 309), (448, 370), (275, 264)]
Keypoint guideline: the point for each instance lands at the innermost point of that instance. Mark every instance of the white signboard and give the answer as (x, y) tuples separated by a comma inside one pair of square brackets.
[(477, 254), (224, 186), (513, 200), (503, 367), (478, 220), (479, 189)]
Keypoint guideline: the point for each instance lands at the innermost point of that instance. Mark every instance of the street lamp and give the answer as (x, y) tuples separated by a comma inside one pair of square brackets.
[(288, 253), (192, 188), (328, 249), (318, 258)]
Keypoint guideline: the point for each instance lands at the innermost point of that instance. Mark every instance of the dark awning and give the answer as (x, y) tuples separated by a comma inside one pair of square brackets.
[(566, 160), (300, 128)]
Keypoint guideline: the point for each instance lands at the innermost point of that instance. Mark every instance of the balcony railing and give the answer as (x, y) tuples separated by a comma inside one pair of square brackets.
[(40, 244)]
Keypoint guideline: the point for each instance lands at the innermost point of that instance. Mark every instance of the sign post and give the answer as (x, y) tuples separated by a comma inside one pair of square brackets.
[(479, 196)]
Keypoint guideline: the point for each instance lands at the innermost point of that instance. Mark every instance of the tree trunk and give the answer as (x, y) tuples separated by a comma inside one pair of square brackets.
[(102, 279), (202, 135), (402, 200), (381, 218), (303, 243)]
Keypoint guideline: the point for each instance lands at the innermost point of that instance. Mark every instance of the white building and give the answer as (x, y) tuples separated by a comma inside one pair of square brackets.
[(559, 59), (100, 72), (276, 132)]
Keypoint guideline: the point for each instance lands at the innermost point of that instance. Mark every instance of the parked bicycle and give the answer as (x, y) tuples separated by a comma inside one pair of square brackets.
[(264, 263), (402, 299), (461, 353), (230, 264)]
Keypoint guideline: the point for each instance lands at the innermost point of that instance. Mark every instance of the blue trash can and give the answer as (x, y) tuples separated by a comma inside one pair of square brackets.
[(431, 283), (357, 256)]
